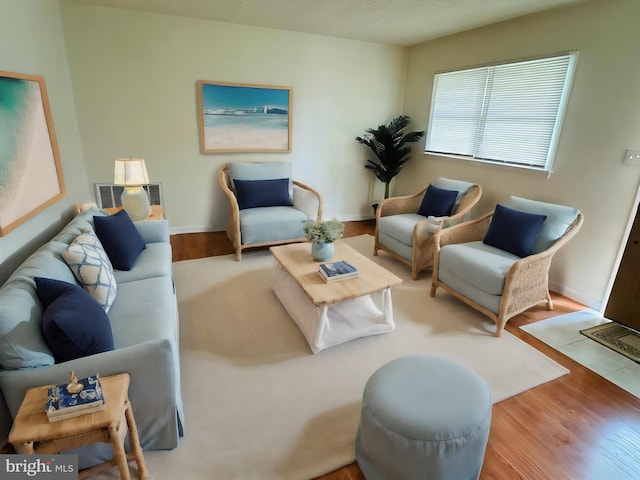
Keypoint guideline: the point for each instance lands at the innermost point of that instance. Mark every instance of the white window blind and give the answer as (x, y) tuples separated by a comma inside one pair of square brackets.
[(508, 113)]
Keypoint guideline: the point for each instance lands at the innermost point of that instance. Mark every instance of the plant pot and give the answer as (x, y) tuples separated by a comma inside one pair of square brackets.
[(321, 252)]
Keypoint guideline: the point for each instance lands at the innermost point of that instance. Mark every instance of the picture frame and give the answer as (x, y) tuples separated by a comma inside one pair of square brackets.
[(31, 176), (240, 117)]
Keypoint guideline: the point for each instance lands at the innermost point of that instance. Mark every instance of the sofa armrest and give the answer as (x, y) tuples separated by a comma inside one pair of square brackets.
[(153, 231), (152, 390)]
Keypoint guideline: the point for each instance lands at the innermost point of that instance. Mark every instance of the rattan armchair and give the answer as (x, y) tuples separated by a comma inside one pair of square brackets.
[(415, 247), (526, 282), (266, 226)]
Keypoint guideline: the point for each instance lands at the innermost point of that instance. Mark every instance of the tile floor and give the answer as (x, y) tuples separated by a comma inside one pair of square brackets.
[(563, 334)]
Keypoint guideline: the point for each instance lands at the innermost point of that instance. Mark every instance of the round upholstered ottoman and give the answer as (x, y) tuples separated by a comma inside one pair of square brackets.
[(423, 417)]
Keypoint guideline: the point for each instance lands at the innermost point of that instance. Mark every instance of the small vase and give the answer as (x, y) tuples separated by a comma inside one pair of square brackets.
[(322, 252)]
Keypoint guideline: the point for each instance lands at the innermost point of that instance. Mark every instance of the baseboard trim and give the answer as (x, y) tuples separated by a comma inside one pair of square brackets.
[(596, 304), (222, 228), (195, 229)]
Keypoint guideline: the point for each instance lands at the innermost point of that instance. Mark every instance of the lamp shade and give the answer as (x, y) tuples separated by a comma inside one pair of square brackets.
[(130, 172)]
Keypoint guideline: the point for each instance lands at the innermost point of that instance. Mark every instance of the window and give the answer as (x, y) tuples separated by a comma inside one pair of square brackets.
[(509, 114)]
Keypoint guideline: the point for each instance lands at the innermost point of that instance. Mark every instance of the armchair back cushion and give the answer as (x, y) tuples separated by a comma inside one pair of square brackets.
[(559, 219), (437, 202), (513, 230), (260, 171), (450, 184)]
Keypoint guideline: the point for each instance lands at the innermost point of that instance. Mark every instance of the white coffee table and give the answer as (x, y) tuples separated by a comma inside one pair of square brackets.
[(329, 314)]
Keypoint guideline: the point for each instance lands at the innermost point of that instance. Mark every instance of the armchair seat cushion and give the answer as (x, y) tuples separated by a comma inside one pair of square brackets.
[(268, 224), (478, 264), (472, 292), (400, 227)]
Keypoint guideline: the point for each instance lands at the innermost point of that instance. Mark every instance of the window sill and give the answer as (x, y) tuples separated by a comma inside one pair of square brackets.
[(495, 165)]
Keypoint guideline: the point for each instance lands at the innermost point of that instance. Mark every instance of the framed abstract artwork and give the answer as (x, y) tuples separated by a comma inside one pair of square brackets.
[(30, 171), (237, 117)]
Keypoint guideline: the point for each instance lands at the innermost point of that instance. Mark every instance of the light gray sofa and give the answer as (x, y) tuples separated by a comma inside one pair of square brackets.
[(144, 322)]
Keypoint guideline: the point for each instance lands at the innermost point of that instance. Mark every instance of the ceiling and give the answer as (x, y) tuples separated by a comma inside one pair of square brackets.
[(396, 22)]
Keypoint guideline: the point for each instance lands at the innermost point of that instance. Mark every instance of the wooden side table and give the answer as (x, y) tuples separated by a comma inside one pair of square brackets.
[(32, 433)]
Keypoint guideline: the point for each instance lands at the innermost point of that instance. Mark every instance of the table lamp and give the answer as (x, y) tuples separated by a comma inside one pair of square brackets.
[(132, 174)]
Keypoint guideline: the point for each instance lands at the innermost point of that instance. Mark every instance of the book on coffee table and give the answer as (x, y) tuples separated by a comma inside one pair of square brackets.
[(337, 271)]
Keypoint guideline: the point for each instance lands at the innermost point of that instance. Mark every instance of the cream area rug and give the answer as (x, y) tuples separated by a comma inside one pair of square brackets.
[(260, 405)]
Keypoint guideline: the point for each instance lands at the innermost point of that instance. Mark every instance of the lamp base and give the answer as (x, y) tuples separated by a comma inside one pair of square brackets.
[(136, 203)]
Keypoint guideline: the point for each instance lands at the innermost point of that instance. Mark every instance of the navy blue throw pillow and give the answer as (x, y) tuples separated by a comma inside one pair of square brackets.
[(437, 202), (120, 238), (513, 230), (74, 325), (262, 193)]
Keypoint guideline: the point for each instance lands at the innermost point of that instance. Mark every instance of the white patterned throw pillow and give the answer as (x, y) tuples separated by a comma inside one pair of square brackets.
[(91, 266)]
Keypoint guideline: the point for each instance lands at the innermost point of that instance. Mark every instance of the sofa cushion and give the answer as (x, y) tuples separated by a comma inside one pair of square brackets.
[(262, 193), (269, 224), (513, 230), (153, 261), (559, 219), (478, 263), (74, 325), (91, 266), (437, 202), (120, 239), (144, 310)]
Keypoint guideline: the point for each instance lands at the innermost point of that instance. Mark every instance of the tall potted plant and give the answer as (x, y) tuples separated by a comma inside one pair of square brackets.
[(390, 145)]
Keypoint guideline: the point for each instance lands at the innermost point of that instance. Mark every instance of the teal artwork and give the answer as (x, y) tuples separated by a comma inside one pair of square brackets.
[(13, 106), (244, 118), (30, 173)]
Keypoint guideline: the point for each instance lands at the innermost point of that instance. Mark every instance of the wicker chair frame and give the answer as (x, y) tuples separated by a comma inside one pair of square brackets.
[(527, 281), (233, 224), (423, 240)]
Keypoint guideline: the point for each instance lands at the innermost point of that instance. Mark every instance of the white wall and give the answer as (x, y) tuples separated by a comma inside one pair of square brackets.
[(602, 120), (135, 75), (31, 42)]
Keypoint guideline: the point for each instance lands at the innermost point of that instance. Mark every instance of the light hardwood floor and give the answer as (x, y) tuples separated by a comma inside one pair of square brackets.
[(577, 427)]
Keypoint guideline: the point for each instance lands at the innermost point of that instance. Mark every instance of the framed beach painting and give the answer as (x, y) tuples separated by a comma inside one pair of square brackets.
[(30, 171), (237, 117)]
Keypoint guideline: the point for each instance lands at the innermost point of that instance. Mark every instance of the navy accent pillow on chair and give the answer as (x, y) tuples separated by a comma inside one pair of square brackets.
[(74, 325), (120, 239), (437, 202), (262, 193), (513, 230)]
